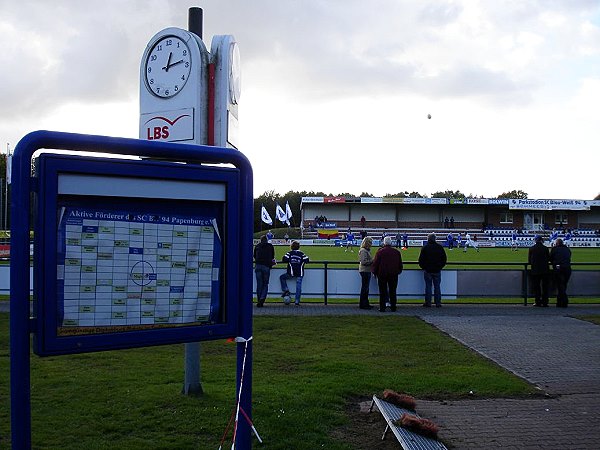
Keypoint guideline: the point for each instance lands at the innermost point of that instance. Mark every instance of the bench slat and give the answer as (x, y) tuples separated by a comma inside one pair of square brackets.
[(407, 439)]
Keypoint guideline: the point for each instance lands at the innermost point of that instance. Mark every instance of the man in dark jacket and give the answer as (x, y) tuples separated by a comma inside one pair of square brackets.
[(560, 258), (539, 257), (264, 259), (432, 260), (387, 265)]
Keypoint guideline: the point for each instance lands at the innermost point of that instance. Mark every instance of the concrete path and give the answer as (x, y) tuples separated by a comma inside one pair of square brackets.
[(546, 346)]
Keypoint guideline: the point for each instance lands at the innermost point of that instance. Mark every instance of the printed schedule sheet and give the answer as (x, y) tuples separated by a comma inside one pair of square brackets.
[(130, 269)]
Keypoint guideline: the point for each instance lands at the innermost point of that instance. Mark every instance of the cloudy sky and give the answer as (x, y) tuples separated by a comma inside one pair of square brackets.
[(336, 93)]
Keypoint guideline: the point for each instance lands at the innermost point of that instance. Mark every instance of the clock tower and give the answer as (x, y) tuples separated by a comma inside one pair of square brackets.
[(173, 88)]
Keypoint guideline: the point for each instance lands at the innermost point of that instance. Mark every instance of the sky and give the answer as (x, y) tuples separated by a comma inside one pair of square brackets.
[(336, 93)]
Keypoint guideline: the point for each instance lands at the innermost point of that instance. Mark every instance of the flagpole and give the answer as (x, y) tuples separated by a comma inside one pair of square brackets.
[(6, 187)]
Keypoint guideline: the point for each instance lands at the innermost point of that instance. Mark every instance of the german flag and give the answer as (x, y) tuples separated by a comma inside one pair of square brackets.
[(328, 233)]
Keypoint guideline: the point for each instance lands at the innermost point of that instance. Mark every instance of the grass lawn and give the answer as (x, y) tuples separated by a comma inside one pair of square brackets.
[(590, 318), (306, 369)]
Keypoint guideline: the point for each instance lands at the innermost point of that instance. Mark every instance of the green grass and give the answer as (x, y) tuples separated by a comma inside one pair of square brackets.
[(456, 258), (590, 318), (306, 369)]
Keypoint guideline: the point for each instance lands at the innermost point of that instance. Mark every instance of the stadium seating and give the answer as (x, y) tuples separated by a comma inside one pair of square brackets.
[(494, 235)]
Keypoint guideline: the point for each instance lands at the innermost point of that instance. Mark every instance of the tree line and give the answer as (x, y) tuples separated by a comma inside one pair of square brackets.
[(270, 200)]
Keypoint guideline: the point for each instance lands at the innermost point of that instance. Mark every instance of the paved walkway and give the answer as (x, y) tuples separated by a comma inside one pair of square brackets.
[(546, 346)]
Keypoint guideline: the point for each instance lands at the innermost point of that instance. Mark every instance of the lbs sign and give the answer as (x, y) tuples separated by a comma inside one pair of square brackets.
[(169, 126)]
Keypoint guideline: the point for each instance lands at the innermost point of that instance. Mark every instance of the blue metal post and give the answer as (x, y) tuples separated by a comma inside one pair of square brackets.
[(243, 438), (20, 395)]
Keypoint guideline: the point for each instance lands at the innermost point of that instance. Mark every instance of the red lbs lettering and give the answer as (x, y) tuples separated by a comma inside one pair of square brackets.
[(158, 133)]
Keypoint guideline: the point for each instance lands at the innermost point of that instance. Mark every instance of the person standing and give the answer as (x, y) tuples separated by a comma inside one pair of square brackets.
[(514, 246), (539, 257), (405, 240), (568, 237), (363, 222), (560, 258), (269, 236), (450, 241), (553, 237), (350, 241), (365, 261), (470, 242), (387, 265), (398, 239), (264, 259), (432, 260), (295, 260)]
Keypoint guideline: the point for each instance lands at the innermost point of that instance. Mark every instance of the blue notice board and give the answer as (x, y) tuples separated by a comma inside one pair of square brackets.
[(154, 248), (133, 253)]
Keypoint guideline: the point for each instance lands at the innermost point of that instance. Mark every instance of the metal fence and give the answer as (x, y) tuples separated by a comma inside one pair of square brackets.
[(330, 279)]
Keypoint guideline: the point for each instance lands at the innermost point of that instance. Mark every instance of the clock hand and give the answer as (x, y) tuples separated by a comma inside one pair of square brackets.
[(175, 63), (166, 68)]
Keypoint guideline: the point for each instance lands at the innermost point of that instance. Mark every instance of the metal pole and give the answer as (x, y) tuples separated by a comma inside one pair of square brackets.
[(325, 285), (525, 284), (195, 21), (20, 388), (2, 213), (191, 381), (6, 189)]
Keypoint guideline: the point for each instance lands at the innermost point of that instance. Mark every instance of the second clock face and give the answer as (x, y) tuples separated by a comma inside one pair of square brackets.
[(168, 66)]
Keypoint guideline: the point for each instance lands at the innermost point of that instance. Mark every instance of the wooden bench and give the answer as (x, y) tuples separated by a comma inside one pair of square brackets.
[(407, 439)]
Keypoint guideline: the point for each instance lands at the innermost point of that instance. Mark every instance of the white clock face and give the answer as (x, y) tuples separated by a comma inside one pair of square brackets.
[(168, 66)]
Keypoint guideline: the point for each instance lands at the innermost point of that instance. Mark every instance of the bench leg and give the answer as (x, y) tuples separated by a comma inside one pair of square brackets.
[(387, 427), (372, 404)]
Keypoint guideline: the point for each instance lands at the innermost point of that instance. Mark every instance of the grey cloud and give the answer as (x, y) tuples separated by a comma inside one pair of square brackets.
[(473, 81), (440, 13)]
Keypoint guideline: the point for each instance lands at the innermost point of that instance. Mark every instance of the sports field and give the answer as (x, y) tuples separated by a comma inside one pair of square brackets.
[(456, 258)]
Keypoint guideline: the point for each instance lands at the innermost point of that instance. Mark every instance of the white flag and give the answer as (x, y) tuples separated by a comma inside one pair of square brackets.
[(288, 211), (264, 215), (280, 213), (8, 168)]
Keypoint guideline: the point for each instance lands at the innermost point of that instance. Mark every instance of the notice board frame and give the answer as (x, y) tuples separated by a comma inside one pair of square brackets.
[(23, 185), (53, 168)]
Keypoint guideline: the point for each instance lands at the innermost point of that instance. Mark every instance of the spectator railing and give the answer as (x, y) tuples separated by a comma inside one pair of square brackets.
[(588, 284)]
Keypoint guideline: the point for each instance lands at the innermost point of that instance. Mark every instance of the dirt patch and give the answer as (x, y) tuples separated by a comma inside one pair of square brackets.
[(365, 428)]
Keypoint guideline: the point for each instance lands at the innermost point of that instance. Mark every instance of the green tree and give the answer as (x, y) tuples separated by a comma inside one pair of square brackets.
[(514, 194), (413, 194), (448, 194)]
